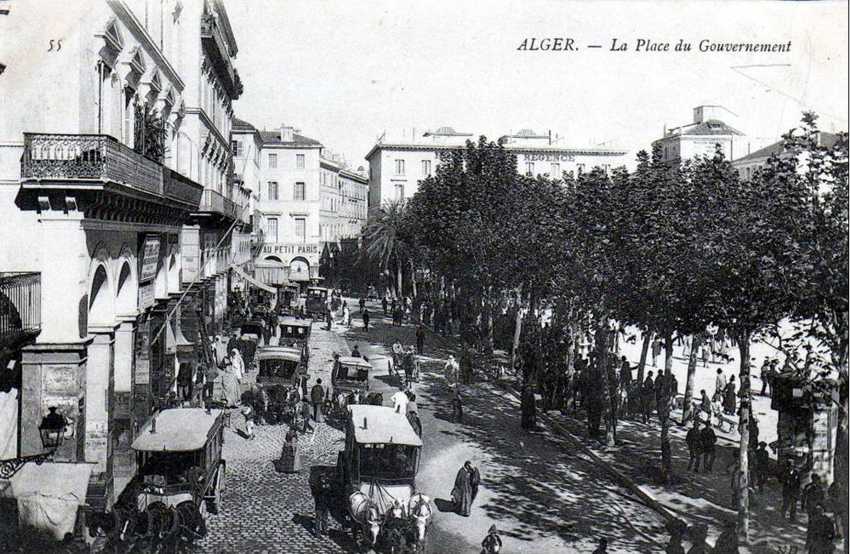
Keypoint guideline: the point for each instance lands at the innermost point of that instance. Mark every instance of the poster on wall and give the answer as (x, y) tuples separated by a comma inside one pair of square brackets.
[(150, 258)]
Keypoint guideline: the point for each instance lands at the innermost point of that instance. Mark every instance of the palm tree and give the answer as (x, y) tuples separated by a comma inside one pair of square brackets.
[(383, 236)]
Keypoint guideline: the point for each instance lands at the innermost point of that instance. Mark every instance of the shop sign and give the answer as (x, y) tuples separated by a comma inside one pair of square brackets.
[(557, 157), (146, 295), (290, 248), (143, 360), (150, 258)]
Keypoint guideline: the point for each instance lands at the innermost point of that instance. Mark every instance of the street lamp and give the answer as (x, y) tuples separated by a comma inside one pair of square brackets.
[(52, 431)]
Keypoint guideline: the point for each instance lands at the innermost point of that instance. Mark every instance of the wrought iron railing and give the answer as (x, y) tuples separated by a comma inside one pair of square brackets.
[(101, 157), (214, 201), (20, 306)]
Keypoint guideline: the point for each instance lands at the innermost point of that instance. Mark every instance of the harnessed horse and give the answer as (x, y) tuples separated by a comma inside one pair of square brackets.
[(419, 508)]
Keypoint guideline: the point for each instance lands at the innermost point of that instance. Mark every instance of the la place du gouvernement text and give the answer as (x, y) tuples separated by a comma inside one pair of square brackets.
[(566, 44)]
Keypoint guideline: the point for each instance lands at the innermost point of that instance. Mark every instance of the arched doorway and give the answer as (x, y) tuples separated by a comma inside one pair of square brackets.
[(299, 270)]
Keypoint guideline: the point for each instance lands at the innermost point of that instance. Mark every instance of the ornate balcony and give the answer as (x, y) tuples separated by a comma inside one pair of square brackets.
[(215, 203), (20, 307), (81, 158)]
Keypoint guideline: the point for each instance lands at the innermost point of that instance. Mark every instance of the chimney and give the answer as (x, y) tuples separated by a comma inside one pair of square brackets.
[(285, 133)]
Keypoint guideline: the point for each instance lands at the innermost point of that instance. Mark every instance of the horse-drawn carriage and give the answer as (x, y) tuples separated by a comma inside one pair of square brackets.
[(295, 332), (252, 335), (280, 369), (180, 478), (350, 377), (316, 302), (378, 470)]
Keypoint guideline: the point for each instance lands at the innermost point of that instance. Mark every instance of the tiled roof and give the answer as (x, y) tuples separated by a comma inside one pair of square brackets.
[(273, 137), (243, 125)]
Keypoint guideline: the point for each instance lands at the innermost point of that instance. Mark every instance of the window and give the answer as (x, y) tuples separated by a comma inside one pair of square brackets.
[(235, 147), (426, 168), (299, 161), (271, 229), (399, 167), (272, 161), (299, 193), (556, 171), (300, 229), (399, 191), (273, 191), (529, 168)]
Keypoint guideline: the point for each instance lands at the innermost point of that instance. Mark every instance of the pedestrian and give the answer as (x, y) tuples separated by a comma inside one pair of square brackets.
[(492, 543), (366, 319), (305, 415), (237, 364), (814, 495), (729, 399), (248, 413), (708, 440), (656, 351), (262, 406), (210, 377), (384, 304), (457, 407), (412, 408), (790, 479), (420, 338), (705, 404), (317, 396), (719, 384), (820, 534), (603, 544), (694, 441), (355, 352), (322, 498), (346, 315), (762, 459), (362, 304), (765, 375), (184, 381), (647, 397), (727, 542), (400, 401), (625, 373), (462, 491)]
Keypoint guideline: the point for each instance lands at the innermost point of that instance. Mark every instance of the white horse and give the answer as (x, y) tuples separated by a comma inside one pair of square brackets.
[(365, 514), (421, 513)]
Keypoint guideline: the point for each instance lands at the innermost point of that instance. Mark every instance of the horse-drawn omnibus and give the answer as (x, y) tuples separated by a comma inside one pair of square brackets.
[(317, 299), (378, 470), (295, 333), (180, 478), (280, 368)]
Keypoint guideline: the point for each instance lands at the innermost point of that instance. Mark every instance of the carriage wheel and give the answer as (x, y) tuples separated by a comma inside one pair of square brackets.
[(192, 524), (214, 503)]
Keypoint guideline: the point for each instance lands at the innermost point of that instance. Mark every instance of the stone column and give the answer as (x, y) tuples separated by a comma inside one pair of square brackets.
[(124, 460), (100, 394)]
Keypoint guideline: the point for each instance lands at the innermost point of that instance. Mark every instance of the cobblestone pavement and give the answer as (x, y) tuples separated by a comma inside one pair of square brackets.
[(265, 511)]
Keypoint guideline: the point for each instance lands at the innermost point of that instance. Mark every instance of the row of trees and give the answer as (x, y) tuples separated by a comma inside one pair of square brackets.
[(675, 251)]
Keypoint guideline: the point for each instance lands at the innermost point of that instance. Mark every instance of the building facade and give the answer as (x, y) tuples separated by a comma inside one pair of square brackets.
[(702, 137), (397, 166), (115, 192), (749, 164), (304, 200)]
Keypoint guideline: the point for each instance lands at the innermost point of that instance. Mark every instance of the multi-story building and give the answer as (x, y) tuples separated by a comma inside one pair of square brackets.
[(702, 137), (305, 199), (397, 166), (114, 197)]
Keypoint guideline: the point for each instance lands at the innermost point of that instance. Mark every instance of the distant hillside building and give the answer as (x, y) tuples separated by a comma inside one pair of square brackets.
[(397, 166), (701, 137)]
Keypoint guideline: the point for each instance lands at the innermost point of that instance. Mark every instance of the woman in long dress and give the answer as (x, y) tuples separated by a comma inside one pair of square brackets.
[(238, 364), (729, 398), (290, 459), (462, 491), (230, 386)]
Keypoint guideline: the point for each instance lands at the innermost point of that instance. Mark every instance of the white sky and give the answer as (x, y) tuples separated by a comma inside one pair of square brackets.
[(345, 71)]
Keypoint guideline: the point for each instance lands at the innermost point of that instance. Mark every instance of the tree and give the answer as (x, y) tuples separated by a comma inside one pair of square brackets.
[(382, 235)]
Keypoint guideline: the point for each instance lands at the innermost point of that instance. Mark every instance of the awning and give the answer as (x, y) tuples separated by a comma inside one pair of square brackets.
[(48, 495), (253, 281)]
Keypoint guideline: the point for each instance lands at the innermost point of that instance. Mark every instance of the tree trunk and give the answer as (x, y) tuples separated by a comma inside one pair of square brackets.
[(602, 335), (841, 463), (696, 342), (517, 327), (742, 483), (413, 280), (647, 338), (663, 407), (399, 277)]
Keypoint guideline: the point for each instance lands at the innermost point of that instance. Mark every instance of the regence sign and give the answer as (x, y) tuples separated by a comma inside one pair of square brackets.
[(549, 158)]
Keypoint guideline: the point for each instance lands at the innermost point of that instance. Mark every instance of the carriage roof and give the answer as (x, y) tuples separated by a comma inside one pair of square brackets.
[(279, 353), (294, 321), (381, 425), (354, 361), (178, 430)]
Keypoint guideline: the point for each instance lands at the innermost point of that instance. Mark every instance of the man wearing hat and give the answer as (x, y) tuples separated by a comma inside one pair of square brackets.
[(762, 465), (492, 543)]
